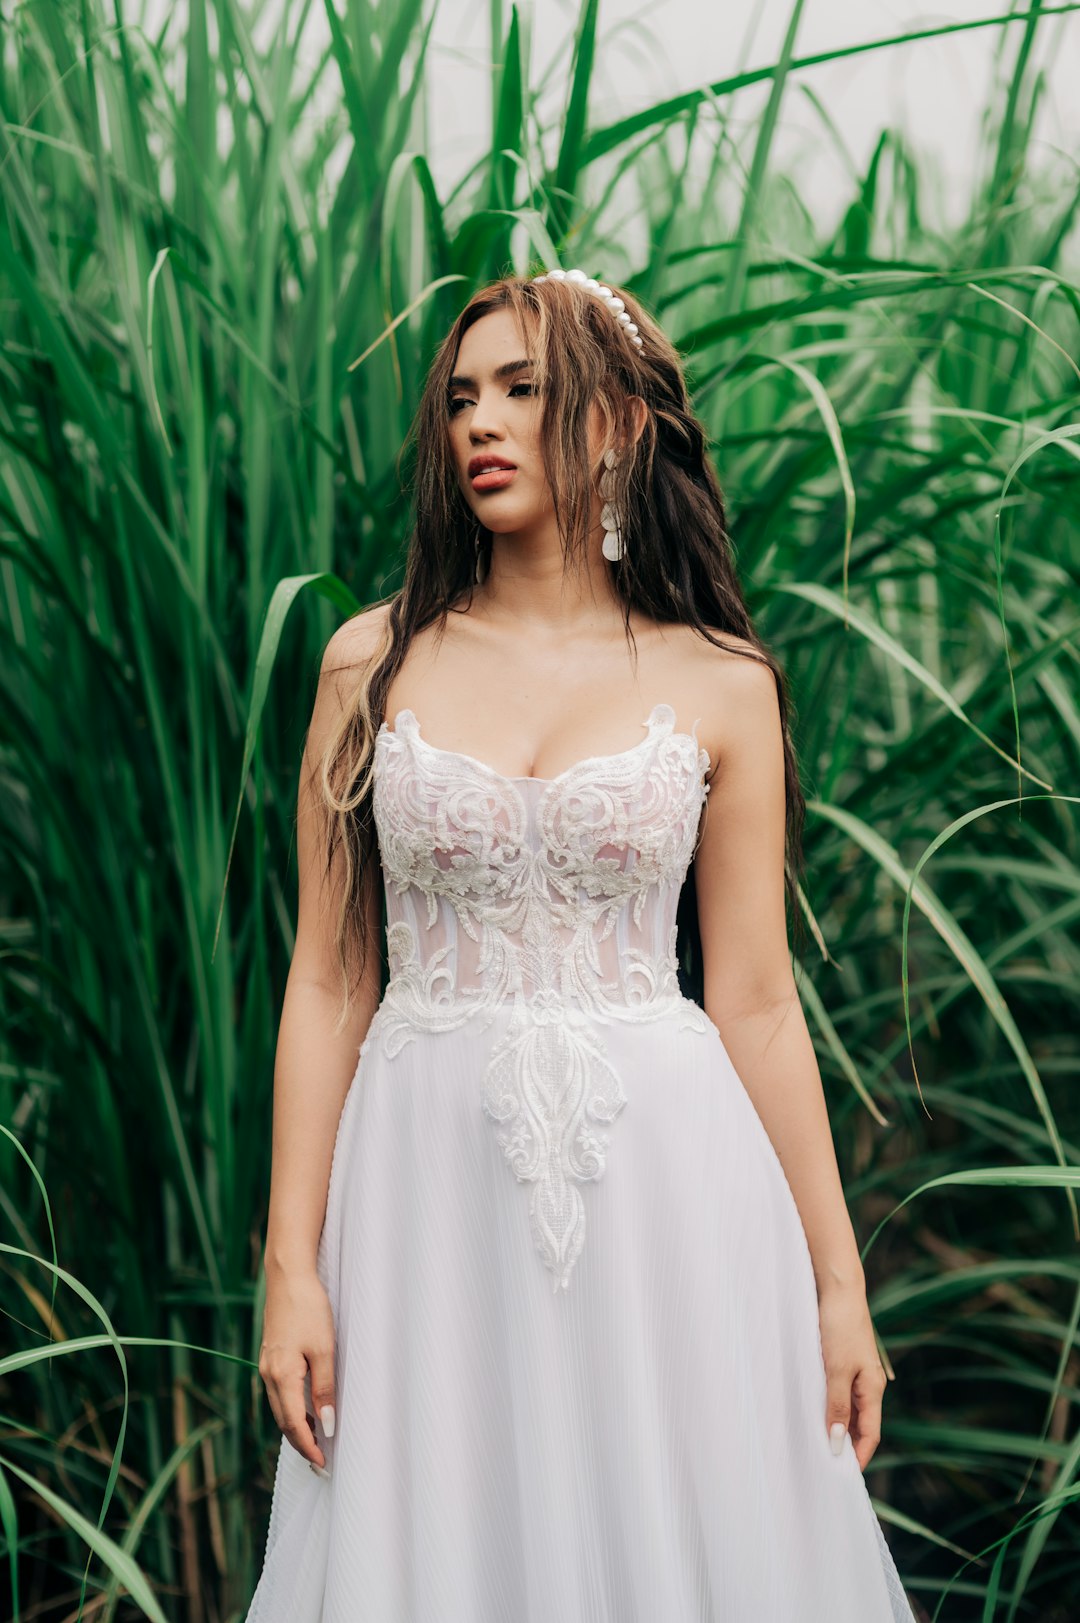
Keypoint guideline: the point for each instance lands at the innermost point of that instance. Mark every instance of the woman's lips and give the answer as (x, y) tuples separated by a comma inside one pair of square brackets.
[(493, 478)]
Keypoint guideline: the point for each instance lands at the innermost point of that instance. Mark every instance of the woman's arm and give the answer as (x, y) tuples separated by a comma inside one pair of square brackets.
[(751, 997), (312, 1071)]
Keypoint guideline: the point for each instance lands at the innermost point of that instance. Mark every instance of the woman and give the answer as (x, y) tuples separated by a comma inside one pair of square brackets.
[(564, 1308)]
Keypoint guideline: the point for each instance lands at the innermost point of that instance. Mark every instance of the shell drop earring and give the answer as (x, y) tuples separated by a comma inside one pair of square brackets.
[(611, 515)]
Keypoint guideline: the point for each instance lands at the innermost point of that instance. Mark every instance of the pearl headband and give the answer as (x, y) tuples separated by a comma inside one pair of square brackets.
[(591, 285)]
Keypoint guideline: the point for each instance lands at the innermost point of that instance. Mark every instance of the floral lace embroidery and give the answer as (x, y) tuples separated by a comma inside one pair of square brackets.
[(554, 897)]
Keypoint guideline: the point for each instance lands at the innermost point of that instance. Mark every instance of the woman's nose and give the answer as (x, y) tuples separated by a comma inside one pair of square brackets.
[(487, 418)]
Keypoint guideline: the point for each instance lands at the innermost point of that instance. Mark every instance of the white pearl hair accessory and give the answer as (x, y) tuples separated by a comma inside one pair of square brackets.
[(591, 285)]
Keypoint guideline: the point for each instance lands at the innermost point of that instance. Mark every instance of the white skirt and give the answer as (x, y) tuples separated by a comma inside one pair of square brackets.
[(648, 1443)]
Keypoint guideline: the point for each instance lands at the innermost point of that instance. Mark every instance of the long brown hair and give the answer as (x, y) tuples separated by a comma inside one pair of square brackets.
[(677, 564)]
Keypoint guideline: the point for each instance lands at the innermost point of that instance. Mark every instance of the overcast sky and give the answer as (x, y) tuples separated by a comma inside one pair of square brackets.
[(936, 90)]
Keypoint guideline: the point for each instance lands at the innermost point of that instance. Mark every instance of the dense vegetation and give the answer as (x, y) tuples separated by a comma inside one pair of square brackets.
[(223, 268)]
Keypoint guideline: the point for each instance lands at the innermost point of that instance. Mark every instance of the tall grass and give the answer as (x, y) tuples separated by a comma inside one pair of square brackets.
[(218, 304)]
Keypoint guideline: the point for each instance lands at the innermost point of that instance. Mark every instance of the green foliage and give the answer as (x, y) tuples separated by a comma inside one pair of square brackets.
[(224, 267)]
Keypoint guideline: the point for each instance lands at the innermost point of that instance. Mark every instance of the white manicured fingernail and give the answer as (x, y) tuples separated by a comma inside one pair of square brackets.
[(837, 1433), (320, 1470), (326, 1415)]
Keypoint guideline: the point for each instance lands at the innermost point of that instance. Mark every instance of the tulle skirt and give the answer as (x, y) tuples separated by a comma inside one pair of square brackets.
[(647, 1445)]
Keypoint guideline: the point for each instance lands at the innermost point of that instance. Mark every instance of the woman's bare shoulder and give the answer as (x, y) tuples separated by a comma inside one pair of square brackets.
[(728, 664), (742, 682), (734, 689), (743, 645), (356, 642)]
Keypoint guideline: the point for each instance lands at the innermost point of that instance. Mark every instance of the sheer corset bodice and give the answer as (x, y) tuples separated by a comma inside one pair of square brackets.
[(552, 902), (540, 889)]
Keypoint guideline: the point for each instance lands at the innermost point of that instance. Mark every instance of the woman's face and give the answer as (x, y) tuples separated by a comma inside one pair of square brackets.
[(495, 427)]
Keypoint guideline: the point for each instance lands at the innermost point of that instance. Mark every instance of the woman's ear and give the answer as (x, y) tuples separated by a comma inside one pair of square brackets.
[(640, 413)]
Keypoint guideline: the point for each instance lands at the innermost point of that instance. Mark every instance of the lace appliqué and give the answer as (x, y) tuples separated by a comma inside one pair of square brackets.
[(553, 897)]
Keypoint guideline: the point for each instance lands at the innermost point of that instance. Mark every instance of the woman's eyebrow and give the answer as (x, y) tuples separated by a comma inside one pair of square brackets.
[(506, 370)]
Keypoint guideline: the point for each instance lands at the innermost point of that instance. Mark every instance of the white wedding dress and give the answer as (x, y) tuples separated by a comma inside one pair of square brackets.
[(578, 1375)]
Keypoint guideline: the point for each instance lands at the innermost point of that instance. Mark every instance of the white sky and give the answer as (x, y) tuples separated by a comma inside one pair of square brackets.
[(936, 91)]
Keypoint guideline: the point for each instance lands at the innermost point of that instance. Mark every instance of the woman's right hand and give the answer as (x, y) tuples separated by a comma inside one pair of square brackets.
[(298, 1337)]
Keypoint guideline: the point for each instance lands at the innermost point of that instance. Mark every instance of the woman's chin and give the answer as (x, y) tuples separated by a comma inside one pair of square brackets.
[(505, 520)]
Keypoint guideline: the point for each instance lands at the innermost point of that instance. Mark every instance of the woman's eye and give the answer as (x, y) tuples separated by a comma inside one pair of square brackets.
[(457, 401)]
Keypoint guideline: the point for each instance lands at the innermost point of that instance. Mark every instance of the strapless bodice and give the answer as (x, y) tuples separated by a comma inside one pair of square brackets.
[(535, 888), (555, 896)]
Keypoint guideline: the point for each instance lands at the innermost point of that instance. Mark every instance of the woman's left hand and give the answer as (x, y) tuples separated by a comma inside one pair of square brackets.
[(855, 1376)]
